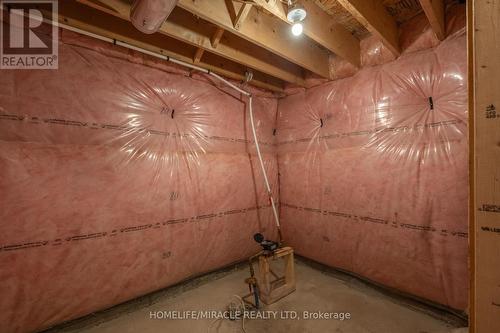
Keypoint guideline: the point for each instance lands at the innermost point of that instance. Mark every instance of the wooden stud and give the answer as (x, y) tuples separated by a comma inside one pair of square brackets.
[(216, 37), (373, 15), (472, 170), (434, 10), (485, 159), (238, 13), (198, 55), (231, 10), (242, 15)]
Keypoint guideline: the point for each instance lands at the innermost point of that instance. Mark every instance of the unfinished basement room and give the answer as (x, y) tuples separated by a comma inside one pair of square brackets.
[(249, 166)]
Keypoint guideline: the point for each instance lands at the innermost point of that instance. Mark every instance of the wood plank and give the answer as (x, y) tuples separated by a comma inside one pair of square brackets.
[(434, 10), (214, 41), (373, 15), (184, 27), (97, 22), (320, 27), (472, 171), (483, 47), (272, 292), (198, 55), (242, 15), (265, 31)]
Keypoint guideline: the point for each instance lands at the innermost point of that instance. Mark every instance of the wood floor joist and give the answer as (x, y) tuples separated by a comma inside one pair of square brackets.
[(320, 27), (186, 28), (265, 31), (373, 15), (95, 21), (434, 10)]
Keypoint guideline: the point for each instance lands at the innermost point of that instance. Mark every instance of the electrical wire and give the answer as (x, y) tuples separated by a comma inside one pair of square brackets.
[(242, 309)]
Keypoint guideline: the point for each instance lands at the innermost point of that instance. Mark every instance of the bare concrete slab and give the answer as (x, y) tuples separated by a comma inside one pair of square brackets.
[(318, 295)]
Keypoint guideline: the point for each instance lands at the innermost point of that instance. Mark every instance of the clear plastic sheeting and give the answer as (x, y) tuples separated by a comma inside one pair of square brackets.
[(120, 176), (123, 174), (373, 173)]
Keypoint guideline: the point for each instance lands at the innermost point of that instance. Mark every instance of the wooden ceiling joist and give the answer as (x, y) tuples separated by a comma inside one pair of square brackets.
[(373, 15), (434, 10), (182, 26), (265, 31), (320, 27), (100, 23)]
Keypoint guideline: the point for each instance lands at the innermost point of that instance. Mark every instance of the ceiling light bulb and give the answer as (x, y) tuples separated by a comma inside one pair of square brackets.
[(297, 29)]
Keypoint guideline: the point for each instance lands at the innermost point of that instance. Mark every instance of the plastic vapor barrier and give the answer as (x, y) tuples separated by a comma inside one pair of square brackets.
[(123, 174), (121, 177), (373, 173)]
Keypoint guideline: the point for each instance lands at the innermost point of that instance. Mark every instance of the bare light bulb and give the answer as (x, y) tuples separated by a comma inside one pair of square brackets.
[(297, 29)]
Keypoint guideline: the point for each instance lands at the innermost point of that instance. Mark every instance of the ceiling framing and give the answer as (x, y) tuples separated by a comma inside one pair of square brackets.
[(232, 37)]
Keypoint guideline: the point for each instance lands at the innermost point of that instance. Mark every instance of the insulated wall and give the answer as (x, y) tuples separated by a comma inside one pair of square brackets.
[(373, 173), (120, 176)]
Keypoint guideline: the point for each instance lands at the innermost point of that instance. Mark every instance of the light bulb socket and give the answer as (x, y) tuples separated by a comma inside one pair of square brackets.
[(296, 13)]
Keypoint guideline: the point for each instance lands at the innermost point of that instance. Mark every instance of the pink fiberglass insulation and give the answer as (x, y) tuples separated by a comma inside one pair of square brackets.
[(373, 173), (121, 176)]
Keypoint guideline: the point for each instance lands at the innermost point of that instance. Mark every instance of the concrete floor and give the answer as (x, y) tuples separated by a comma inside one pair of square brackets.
[(370, 310)]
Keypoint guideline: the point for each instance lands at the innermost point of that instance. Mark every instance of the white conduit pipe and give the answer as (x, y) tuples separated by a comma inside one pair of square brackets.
[(257, 147), (231, 84), (206, 71)]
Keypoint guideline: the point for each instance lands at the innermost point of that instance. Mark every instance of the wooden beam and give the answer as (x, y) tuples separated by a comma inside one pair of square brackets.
[(214, 41), (198, 55), (472, 168), (238, 13), (320, 27), (182, 26), (265, 31), (482, 34), (434, 10), (242, 15), (373, 15), (97, 22)]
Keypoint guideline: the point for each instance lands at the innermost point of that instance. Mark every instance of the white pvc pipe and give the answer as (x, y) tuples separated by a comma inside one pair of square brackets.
[(230, 84), (257, 147), (80, 31)]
